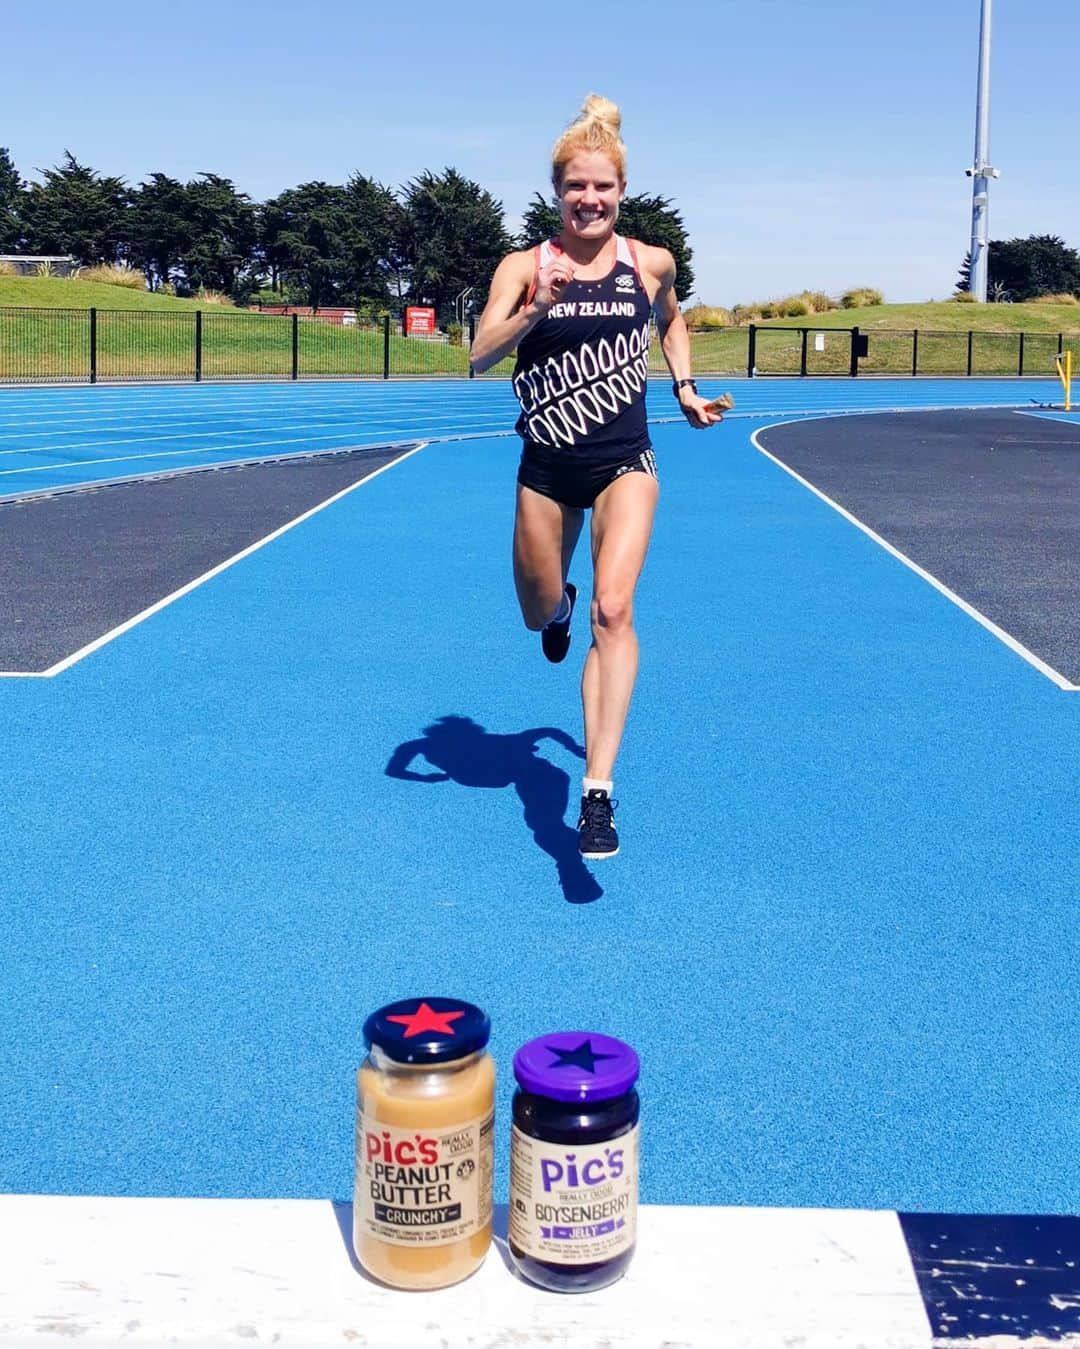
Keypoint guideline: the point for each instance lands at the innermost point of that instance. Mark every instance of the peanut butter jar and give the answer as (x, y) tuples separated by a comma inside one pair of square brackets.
[(425, 1110)]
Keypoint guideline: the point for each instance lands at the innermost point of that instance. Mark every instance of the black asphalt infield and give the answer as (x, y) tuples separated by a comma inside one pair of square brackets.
[(76, 564), (987, 502)]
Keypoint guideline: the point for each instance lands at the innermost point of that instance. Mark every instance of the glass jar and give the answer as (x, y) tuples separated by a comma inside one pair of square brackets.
[(574, 1161), (425, 1100)]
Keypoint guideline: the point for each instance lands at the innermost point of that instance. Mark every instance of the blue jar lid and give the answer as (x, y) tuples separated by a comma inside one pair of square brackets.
[(427, 1030), (576, 1066)]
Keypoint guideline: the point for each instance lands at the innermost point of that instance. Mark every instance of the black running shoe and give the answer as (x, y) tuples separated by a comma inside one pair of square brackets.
[(596, 826), (555, 638)]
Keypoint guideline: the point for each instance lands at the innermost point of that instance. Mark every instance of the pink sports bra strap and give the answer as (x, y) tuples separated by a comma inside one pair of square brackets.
[(543, 253), (628, 253)]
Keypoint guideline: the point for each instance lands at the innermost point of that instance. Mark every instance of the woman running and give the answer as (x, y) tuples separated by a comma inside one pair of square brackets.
[(577, 310)]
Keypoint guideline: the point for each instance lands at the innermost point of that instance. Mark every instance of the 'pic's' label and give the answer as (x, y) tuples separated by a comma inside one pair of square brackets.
[(573, 1205), (423, 1187)]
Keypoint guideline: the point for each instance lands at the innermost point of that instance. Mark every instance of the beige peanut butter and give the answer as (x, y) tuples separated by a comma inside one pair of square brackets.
[(424, 1155)]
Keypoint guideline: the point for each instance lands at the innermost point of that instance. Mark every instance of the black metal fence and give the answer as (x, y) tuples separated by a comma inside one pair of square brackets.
[(768, 349), (88, 345)]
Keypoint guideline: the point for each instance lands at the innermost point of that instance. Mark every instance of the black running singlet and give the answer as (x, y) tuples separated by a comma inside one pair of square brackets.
[(581, 371)]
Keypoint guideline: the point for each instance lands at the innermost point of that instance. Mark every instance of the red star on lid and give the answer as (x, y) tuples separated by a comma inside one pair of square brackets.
[(426, 1018)]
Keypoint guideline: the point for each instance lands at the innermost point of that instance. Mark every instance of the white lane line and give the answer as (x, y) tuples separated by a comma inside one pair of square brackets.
[(185, 470), (816, 414), (58, 489), (378, 432), (132, 394), (73, 422), (396, 413), (362, 396), (1058, 415), (969, 609), (134, 621), (166, 454), (251, 418), (378, 398), (356, 419), (113, 441), (476, 433), (136, 395), (215, 395)]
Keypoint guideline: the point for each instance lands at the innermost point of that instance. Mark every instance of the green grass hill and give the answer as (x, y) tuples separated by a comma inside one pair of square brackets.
[(944, 316), (57, 292)]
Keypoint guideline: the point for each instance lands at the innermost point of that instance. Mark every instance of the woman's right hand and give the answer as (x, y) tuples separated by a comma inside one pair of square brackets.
[(552, 280), (509, 314)]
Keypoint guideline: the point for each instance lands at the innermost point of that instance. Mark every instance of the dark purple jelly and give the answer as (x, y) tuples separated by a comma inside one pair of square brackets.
[(574, 1161)]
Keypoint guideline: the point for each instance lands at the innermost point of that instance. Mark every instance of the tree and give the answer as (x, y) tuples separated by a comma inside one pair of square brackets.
[(159, 230), (376, 267), (651, 219), (219, 252), (1041, 264), (12, 191), (542, 221), (306, 234), (77, 211), (271, 253), (1021, 269), (455, 235)]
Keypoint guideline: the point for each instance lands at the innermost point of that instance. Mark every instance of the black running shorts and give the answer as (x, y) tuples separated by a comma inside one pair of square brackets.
[(574, 480)]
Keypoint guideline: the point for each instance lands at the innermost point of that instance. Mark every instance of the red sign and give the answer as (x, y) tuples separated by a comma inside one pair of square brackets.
[(419, 322)]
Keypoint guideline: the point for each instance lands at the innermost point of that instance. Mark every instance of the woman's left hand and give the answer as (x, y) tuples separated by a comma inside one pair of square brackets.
[(696, 410)]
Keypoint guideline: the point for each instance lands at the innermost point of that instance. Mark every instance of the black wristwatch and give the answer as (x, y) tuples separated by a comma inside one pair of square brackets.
[(681, 384)]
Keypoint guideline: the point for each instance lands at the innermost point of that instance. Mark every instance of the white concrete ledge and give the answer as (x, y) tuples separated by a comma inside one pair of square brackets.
[(210, 1274)]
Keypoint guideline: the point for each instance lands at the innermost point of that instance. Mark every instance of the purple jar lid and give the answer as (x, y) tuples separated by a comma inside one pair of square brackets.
[(576, 1066)]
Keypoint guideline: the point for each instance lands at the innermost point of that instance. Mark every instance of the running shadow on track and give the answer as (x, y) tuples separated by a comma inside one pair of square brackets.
[(463, 752)]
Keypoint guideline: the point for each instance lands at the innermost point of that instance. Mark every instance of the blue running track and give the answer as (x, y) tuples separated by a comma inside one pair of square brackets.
[(54, 438), (842, 929)]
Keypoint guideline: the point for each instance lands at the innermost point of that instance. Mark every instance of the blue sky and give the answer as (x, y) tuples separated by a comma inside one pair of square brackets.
[(807, 144)]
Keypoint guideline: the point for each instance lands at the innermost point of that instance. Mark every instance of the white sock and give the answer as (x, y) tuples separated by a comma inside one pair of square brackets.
[(595, 785), (562, 613)]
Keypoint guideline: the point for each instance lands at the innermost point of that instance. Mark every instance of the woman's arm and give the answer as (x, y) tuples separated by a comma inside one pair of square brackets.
[(402, 757), (506, 317), (674, 337), (560, 737)]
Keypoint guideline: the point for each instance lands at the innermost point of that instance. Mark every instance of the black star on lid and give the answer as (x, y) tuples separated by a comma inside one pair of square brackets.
[(584, 1056)]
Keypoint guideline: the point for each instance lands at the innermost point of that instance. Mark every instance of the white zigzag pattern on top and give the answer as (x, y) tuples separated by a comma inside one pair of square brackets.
[(564, 397)]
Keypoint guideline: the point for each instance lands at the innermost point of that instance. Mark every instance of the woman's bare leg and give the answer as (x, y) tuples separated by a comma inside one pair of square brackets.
[(545, 533), (621, 526)]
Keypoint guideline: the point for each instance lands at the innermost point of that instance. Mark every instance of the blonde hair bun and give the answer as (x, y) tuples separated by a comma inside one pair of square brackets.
[(597, 108), (596, 128)]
